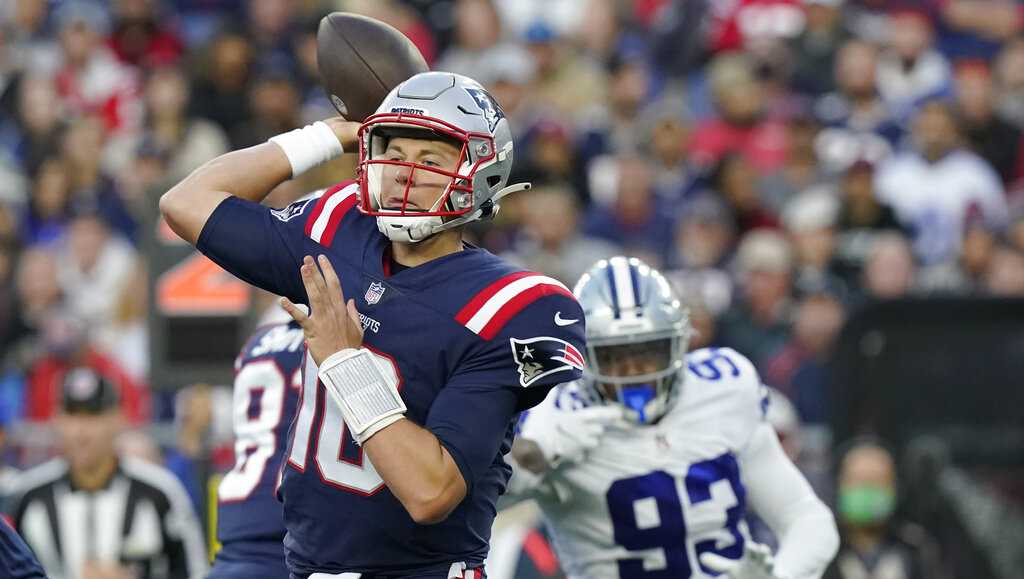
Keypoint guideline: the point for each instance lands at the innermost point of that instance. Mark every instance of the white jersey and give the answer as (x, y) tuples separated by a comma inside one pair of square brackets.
[(650, 499)]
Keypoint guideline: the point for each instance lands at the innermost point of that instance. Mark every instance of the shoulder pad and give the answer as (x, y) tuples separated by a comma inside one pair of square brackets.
[(336, 202), (497, 303)]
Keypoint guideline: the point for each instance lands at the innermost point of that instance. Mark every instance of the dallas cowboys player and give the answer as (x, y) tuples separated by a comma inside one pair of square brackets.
[(645, 468), (403, 420), (250, 524)]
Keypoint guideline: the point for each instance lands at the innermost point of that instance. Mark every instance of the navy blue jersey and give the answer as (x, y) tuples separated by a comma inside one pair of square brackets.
[(473, 342), (16, 559), (266, 392)]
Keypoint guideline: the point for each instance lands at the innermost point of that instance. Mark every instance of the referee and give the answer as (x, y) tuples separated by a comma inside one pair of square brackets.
[(93, 515)]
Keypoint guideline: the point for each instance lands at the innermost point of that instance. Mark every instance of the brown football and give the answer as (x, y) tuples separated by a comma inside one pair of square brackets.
[(360, 60)]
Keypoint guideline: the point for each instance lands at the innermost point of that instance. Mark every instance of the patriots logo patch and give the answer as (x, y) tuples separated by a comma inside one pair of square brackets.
[(543, 356), (491, 109), (291, 211)]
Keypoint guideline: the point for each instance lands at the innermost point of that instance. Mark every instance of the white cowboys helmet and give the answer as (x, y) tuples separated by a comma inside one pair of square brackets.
[(637, 336), (442, 106)]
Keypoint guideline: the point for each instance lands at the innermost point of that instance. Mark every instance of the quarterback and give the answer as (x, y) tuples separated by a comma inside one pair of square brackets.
[(646, 467), (414, 375)]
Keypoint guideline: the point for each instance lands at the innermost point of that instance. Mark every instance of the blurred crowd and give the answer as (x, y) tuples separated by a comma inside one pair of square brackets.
[(786, 161)]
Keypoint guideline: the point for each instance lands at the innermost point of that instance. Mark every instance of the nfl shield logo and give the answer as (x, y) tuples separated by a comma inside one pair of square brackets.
[(374, 292)]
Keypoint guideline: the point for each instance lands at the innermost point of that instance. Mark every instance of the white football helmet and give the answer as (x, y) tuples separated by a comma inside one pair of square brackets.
[(637, 336), (438, 106)]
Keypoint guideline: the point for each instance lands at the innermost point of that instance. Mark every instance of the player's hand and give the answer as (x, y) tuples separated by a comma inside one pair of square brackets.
[(346, 131), (757, 562), (332, 324), (566, 435)]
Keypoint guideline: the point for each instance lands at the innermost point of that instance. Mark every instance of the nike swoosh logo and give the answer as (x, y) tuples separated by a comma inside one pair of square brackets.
[(560, 321)]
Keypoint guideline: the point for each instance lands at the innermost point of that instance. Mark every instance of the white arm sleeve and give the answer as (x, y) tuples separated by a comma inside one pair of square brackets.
[(808, 539)]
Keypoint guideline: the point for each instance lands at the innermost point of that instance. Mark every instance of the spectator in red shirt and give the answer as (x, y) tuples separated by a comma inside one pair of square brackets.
[(140, 37), (66, 346), (741, 125), (91, 81)]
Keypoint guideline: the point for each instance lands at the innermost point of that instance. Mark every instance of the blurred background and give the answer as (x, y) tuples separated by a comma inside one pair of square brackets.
[(835, 187)]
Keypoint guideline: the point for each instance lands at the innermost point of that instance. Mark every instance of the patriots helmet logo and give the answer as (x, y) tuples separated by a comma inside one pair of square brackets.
[(490, 107), (374, 292), (543, 356)]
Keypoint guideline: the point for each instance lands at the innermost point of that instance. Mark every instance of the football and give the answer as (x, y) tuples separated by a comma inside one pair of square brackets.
[(360, 60)]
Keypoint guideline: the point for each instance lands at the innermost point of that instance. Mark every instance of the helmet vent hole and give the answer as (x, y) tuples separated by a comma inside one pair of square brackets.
[(493, 180)]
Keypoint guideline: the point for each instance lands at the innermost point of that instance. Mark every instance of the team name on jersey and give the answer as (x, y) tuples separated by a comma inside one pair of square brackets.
[(276, 340), (369, 323)]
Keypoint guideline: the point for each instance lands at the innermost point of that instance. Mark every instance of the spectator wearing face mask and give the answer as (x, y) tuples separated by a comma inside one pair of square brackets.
[(874, 543)]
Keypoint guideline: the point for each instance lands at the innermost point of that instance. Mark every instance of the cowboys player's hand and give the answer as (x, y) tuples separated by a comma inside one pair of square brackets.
[(332, 325), (757, 562), (566, 435)]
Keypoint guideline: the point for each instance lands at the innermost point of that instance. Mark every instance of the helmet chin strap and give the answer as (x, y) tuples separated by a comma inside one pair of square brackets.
[(415, 229)]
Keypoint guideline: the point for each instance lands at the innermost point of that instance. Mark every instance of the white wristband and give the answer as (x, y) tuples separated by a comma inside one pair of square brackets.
[(309, 146), (366, 394)]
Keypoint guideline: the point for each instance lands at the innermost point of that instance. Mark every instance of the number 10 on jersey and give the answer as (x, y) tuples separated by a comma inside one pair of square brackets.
[(356, 475)]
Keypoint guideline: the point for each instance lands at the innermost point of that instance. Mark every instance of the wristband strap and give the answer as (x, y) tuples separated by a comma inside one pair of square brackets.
[(366, 394), (309, 146)]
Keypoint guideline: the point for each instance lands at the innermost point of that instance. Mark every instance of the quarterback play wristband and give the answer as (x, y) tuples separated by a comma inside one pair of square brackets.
[(367, 396), (309, 146)]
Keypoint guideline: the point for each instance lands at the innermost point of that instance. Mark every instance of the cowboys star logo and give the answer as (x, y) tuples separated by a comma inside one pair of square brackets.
[(543, 356)]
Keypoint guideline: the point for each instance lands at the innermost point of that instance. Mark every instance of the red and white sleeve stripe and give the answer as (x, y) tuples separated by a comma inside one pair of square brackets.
[(499, 302), (330, 209)]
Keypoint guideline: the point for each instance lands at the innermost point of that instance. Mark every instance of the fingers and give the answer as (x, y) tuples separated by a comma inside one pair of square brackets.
[(322, 284), (758, 552), (718, 563), (353, 316), (753, 548), (309, 275), (332, 283), (295, 312), (318, 279)]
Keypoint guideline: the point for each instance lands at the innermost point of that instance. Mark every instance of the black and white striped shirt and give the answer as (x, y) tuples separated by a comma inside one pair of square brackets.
[(141, 519)]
